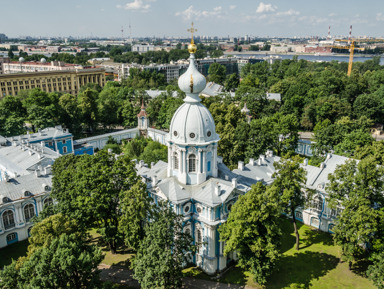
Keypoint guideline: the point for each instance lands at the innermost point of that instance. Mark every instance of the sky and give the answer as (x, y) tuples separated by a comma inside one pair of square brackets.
[(273, 18)]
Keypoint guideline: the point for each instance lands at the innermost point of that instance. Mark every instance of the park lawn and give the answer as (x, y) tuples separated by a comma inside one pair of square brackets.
[(121, 258), (316, 265), (13, 251)]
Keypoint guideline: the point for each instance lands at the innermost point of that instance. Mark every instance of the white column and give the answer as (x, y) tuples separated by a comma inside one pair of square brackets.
[(214, 164), (180, 155), (169, 161)]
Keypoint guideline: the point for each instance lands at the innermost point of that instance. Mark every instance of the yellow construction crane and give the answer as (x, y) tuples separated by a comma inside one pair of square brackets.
[(351, 48)]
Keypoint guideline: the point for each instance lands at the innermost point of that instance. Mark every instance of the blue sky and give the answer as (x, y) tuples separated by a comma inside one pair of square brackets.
[(172, 18)]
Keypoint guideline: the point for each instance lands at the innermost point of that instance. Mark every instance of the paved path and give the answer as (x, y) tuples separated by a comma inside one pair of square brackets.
[(123, 275)]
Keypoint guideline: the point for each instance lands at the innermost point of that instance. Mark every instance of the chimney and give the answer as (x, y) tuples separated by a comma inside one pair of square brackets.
[(47, 170), (262, 158), (30, 153), (305, 162), (217, 189), (152, 164), (234, 183), (241, 166), (154, 181), (37, 173), (251, 161)]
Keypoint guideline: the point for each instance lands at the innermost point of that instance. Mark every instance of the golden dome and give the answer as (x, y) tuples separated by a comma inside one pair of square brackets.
[(192, 48)]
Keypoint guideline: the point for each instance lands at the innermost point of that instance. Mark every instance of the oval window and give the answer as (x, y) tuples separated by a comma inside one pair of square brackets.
[(175, 133), (192, 135), (209, 133)]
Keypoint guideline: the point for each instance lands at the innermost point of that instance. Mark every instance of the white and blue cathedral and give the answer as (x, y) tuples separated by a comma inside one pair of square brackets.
[(203, 189)]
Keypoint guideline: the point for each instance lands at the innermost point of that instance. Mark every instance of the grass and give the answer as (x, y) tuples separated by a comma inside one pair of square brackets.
[(316, 265), (196, 272), (121, 258), (13, 251), (19, 249)]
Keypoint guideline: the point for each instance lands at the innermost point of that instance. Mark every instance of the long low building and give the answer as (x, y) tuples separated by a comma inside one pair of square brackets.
[(66, 81)]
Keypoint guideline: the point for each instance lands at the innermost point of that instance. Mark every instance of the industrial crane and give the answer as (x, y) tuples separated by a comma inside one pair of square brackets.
[(351, 48)]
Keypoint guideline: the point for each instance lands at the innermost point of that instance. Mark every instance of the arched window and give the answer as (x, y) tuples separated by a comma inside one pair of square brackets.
[(8, 219), (29, 212), (317, 203), (199, 236), (175, 161), (48, 202), (192, 164)]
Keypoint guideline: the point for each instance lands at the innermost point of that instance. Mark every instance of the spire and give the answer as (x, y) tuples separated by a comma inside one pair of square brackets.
[(142, 112), (192, 82), (192, 47)]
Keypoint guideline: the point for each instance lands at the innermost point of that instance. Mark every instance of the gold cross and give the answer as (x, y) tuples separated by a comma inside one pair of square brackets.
[(192, 30)]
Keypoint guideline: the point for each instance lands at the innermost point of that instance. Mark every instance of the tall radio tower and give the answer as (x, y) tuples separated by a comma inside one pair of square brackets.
[(122, 33)]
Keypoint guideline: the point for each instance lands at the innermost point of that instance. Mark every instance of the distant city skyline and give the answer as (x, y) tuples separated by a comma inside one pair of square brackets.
[(275, 18)]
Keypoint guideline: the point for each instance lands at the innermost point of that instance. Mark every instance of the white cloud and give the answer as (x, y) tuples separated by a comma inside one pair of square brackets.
[(380, 17), (138, 5), (192, 14), (332, 14), (262, 8), (290, 12), (231, 7)]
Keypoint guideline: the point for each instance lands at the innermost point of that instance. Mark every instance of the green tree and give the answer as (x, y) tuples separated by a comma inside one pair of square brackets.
[(44, 232), (357, 189), (154, 152), (217, 73), (252, 230), (289, 183), (69, 113), (87, 106), (376, 270), (108, 105), (12, 115), (11, 55), (135, 147), (136, 209), (90, 189), (278, 132), (164, 250), (42, 108), (68, 262), (232, 81), (375, 150), (369, 105)]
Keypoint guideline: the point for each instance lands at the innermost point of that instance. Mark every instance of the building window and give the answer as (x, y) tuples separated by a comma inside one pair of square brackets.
[(336, 212), (48, 202), (8, 219), (29, 212), (175, 161), (317, 203), (299, 215), (64, 150), (192, 164), (11, 237), (64, 141), (199, 236)]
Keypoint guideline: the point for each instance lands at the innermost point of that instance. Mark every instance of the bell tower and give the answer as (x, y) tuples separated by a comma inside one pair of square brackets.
[(192, 140)]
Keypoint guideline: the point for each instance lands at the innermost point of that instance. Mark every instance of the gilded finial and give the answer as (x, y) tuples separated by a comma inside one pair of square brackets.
[(192, 47)]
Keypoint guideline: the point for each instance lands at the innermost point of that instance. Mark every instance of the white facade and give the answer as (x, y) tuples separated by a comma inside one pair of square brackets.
[(21, 67)]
